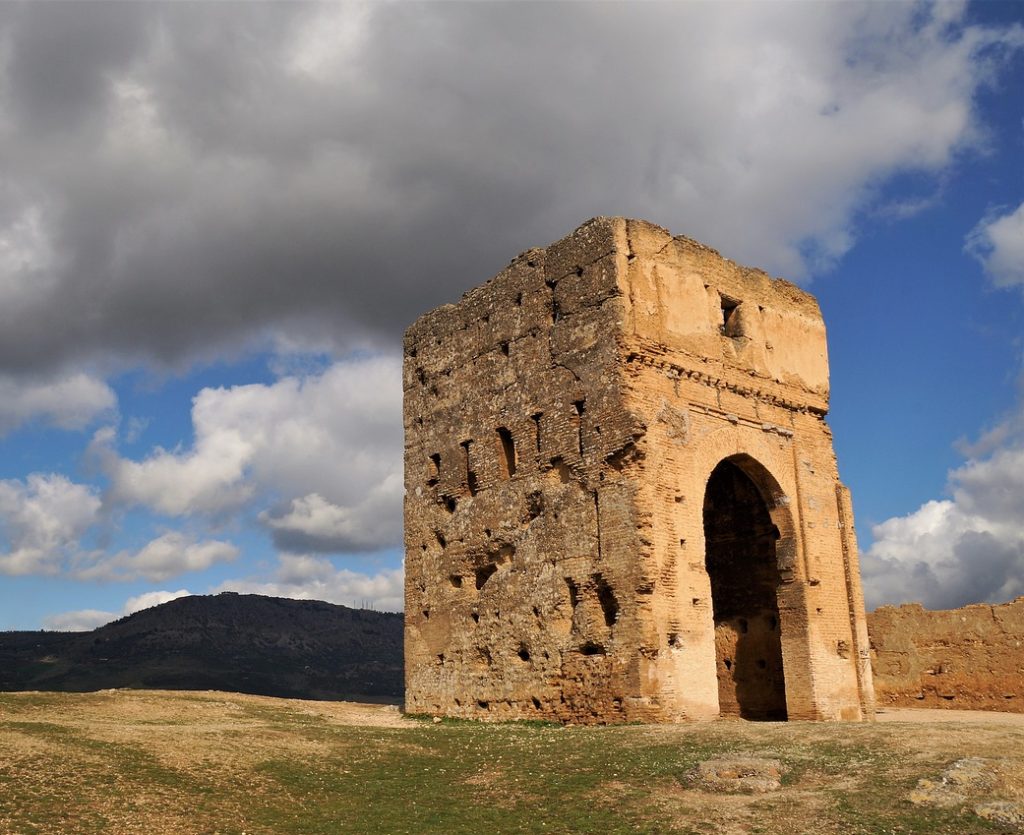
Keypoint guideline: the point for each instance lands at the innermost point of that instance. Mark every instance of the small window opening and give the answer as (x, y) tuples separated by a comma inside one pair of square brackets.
[(440, 539), (728, 663), (606, 597), (508, 452), (483, 705), (476, 617), (524, 653), (536, 702), (536, 426), (471, 481), (450, 504), (574, 592), (592, 648), (504, 348), (456, 580), (730, 321), (579, 407), (435, 469), (484, 574)]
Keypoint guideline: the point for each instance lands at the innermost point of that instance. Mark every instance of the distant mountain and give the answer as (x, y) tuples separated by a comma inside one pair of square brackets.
[(244, 643)]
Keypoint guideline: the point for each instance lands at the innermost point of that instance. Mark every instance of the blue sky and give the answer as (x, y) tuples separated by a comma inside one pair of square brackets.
[(216, 220)]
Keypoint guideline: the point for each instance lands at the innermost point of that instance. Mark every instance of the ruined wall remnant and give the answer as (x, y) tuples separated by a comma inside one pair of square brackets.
[(622, 501), (970, 658)]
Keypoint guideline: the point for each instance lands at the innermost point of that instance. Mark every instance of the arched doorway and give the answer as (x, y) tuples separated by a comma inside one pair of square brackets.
[(742, 564)]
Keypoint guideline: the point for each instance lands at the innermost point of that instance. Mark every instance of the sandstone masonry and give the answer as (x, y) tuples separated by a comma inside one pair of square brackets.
[(622, 500), (970, 658)]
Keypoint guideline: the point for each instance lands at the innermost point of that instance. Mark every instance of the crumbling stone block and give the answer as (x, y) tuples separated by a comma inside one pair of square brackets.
[(622, 501)]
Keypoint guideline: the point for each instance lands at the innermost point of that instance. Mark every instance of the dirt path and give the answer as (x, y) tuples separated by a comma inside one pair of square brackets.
[(925, 714)]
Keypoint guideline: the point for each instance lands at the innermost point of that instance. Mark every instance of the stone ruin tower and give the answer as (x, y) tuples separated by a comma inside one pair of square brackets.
[(621, 498)]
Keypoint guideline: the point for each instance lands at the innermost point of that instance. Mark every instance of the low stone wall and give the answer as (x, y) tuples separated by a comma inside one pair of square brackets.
[(970, 658)]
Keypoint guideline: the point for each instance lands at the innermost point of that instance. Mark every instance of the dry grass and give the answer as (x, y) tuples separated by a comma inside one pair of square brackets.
[(160, 762)]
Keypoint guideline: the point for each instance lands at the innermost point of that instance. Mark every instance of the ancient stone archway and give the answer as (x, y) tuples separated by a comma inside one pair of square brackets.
[(743, 563), (561, 423)]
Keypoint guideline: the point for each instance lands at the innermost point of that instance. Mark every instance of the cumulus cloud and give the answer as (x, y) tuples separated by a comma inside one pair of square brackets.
[(966, 549), (998, 242), (307, 577), (324, 449), (184, 178), (84, 620), (70, 401), (42, 519), (311, 523), (169, 555), (80, 620)]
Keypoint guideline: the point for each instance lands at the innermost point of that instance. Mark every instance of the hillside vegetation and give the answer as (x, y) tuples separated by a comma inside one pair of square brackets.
[(121, 763), (245, 643)]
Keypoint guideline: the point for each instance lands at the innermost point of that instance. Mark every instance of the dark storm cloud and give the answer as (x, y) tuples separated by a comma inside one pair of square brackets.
[(184, 180), (61, 55)]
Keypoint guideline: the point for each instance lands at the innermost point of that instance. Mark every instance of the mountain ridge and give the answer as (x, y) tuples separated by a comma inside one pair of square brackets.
[(243, 643)]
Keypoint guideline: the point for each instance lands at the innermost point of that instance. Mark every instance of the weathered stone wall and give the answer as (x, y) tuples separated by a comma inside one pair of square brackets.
[(562, 424), (969, 658), (516, 576)]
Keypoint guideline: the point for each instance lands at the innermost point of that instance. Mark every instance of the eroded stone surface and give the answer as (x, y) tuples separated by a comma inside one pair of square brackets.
[(603, 444), (963, 780), (974, 782), (1006, 812), (969, 659), (747, 775)]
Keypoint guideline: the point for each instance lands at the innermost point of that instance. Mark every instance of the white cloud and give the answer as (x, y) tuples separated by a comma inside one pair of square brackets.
[(305, 577), (84, 620), (967, 549), (169, 555), (326, 447), (148, 599), (311, 523), (998, 242), (72, 401), (42, 520), (81, 620)]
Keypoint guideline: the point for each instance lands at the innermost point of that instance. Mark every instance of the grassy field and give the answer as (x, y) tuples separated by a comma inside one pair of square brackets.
[(161, 762)]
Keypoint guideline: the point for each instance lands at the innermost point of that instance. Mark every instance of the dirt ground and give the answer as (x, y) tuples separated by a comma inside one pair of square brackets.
[(122, 762)]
